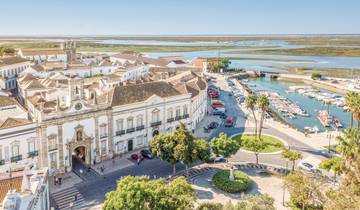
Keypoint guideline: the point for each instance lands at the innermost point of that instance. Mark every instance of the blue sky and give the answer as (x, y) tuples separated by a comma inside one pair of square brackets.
[(165, 17)]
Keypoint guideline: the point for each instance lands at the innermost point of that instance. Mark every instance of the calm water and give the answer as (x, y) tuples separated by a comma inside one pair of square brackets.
[(308, 104)]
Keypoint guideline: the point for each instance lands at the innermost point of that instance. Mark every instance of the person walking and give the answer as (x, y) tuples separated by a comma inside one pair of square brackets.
[(75, 197), (138, 161)]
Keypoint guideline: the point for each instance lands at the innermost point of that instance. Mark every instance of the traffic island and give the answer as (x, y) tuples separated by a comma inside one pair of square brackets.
[(272, 144), (221, 180)]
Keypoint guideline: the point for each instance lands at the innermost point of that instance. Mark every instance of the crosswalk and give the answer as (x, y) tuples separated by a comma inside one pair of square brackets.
[(64, 198)]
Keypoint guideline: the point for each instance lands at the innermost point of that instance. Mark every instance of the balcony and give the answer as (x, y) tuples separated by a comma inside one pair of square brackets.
[(52, 147), (170, 120), (16, 158), (104, 135), (153, 124), (185, 116), (178, 118), (2, 162), (130, 130), (33, 154), (141, 127), (120, 132)]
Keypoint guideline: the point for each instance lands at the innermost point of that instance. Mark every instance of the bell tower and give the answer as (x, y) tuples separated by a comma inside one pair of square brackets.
[(69, 48)]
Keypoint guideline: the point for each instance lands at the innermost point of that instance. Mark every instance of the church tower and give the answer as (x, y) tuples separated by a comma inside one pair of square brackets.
[(69, 48)]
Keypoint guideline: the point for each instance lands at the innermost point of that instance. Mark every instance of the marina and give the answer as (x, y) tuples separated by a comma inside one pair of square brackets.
[(310, 122), (325, 97)]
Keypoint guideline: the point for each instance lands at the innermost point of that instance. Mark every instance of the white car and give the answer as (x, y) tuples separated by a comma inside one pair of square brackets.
[(308, 167)]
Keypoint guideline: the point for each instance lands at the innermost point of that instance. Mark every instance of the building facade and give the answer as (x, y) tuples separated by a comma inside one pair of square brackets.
[(10, 68)]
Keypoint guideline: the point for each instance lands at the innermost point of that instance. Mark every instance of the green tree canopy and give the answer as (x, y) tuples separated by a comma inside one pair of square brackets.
[(224, 146), (304, 191), (202, 149), (255, 145), (334, 164), (141, 193), (292, 156), (163, 146)]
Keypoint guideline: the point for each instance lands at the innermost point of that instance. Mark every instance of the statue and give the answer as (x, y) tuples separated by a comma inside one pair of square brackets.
[(231, 177)]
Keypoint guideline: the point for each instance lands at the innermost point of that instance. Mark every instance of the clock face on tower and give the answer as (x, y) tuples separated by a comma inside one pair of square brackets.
[(78, 106)]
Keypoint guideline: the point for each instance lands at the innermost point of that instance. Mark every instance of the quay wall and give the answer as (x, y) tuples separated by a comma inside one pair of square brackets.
[(315, 83)]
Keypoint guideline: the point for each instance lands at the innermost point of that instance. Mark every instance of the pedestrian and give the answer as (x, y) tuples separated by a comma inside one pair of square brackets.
[(71, 205), (59, 180), (88, 169), (138, 161), (113, 161), (81, 171), (55, 181), (75, 197)]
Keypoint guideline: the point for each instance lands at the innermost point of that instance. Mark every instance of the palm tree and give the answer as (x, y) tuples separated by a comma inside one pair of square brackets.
[(250, 103), (352, 101), (349, 147), (263, 104)]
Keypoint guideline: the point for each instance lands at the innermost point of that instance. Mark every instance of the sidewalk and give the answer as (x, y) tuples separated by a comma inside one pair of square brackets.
[(68, 180), (118, 163)]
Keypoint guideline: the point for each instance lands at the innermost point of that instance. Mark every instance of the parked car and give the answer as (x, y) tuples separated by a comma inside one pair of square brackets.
[(146, 154), (308, 167), (229, 122), (137, 156), (215, 105), (213, 125), (214, 159)]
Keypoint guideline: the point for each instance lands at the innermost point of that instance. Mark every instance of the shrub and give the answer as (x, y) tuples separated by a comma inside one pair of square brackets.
[(210, 206), (241, 181), (316, 76)]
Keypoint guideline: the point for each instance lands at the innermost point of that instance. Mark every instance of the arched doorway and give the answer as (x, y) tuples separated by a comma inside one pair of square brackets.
[(80, 153), (155, 133)]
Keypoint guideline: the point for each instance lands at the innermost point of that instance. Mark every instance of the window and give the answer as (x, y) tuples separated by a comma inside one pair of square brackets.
[(139, 140), (139, 120), (120, 147), (178, 112), (15, 150), (130, 122), (103, 132), (31, 146), (155, 116), (103, 147), (170, 113), (119, 124), (185, 110), (53, 160)]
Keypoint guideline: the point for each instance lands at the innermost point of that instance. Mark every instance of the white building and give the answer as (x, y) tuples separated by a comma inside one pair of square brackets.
[(10, 67), (92, 120), (44, 54), (32, 195)]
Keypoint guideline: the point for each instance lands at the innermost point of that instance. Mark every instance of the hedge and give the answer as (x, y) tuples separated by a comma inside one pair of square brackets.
[(240, 184)]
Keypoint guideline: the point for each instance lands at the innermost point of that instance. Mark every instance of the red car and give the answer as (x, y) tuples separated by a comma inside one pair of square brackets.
[(217, 105), (137, 156), (229, 122)]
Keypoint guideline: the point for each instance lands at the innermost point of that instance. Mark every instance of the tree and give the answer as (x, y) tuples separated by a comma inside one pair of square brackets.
[(292, 156), (185, 150), (216, 64), (304, 191), (315, 76), (263, 103), (250, 103), (352, 100), (255, 145), (224, 146), (256, 202), (6, 50), (334, 164), (138, 193), (210, 206), (202, 149), (347, 196), (349, 147), (163, 146)]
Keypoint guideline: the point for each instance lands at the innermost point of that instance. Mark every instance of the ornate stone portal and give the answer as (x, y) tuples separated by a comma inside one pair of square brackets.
[(80, 140)]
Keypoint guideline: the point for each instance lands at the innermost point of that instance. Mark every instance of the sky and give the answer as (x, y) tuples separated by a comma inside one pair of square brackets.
[(178, 17)]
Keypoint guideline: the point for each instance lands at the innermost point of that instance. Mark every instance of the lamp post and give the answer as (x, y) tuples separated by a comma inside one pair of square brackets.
[(283, 198)]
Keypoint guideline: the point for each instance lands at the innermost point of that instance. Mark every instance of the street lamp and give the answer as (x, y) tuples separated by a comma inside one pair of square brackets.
[(283, 198)]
